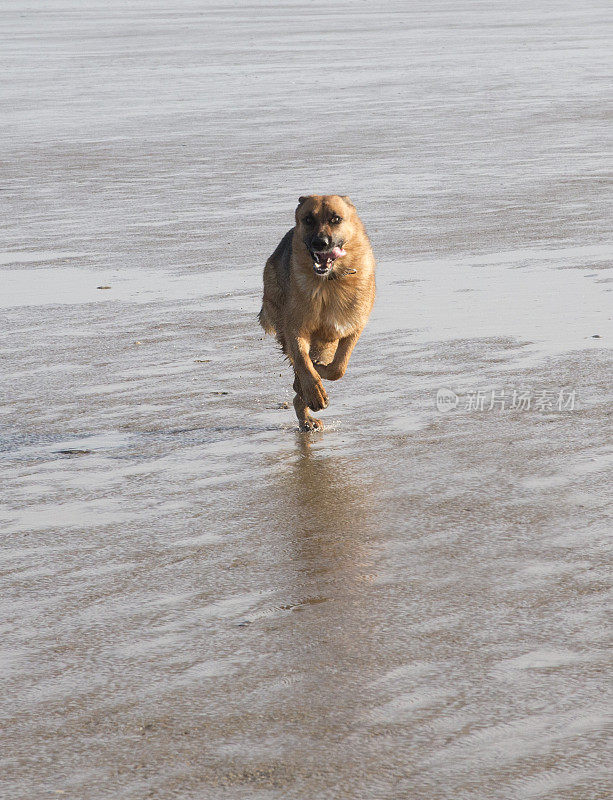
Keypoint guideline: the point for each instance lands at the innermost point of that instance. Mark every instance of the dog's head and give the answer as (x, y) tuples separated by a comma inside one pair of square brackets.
[(326, 224)]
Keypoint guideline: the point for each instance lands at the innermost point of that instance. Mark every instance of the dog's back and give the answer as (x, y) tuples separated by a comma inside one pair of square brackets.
[(276, 284)]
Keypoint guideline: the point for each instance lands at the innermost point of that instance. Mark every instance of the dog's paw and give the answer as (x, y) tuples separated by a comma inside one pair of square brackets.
[(311, 424), (315, 396)]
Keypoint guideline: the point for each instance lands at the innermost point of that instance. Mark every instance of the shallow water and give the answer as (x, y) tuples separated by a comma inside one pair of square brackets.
[(200, 602)]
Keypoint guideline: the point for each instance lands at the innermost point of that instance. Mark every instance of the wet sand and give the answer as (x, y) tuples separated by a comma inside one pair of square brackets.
[(197, 600)]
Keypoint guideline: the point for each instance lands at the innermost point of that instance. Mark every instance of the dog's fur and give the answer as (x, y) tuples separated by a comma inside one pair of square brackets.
[(318, 313)]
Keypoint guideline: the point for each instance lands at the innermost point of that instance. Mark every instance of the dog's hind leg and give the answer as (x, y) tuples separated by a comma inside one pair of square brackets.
[(322, 352), (305, 420), (336, 368)]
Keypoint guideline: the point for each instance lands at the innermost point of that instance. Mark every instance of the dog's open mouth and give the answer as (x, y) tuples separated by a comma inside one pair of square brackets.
[(323, 260)]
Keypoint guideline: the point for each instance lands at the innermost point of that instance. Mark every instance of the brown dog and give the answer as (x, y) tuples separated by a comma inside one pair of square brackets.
[(319, 289)]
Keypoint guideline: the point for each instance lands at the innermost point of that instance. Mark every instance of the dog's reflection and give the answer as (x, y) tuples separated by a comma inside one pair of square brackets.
[(331, 513), (332, 535)]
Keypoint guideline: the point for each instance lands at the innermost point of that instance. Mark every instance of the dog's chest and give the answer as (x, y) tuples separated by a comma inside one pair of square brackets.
[(333, 314)]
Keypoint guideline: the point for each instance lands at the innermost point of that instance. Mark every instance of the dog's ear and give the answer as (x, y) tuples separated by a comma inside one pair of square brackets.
[(299, 206)]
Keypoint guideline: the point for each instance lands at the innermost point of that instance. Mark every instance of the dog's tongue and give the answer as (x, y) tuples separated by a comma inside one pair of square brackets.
[(331, 255)]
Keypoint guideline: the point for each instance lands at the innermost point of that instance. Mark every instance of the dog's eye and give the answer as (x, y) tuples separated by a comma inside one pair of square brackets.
[(309, 219), (336, 219)]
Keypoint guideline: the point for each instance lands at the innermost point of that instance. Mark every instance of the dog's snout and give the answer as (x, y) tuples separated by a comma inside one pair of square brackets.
[(320, 242)]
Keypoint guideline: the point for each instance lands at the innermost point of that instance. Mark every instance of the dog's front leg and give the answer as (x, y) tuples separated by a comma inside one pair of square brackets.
[(338, 366), (311, 388)]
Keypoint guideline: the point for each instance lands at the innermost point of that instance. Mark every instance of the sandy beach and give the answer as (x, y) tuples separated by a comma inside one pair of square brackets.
[(198, 601)]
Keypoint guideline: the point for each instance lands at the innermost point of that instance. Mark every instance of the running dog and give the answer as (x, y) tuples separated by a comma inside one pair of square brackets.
[(319, 290)]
